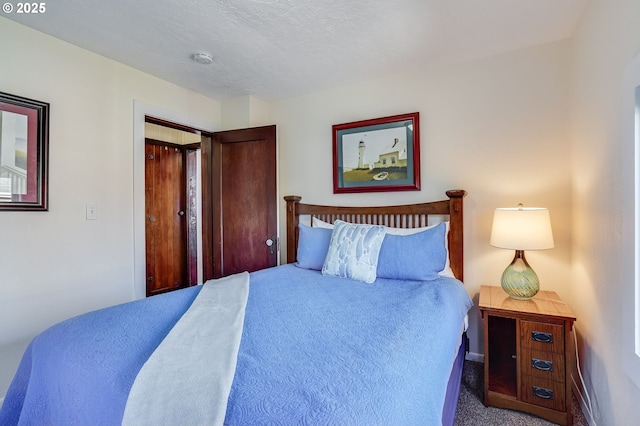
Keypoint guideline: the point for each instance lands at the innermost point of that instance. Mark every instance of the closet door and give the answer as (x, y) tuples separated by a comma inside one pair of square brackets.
[(165, 227), (243, 207)]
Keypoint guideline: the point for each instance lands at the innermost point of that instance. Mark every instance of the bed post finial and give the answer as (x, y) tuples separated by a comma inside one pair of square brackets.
[(292, 226), (456, 193)]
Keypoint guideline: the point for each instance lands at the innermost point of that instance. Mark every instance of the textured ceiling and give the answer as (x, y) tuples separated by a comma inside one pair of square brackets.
[(280, 48)]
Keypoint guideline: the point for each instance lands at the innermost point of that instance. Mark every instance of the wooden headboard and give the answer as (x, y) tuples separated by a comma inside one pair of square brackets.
[(403, 216)]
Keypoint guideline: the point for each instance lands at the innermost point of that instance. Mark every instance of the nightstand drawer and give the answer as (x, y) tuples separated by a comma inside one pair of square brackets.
[(542, 336), (544, 393), (544, 365)]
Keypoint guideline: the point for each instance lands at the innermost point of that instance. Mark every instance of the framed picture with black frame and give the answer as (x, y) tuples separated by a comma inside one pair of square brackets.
[(377, 155), (24, 153)]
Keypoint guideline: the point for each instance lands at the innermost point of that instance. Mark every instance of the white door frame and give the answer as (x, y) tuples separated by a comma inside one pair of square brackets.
[(140, 110)]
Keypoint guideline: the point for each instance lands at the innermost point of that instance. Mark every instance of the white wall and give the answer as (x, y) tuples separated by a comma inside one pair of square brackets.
[(602, 184), (495, 127), (243, 112), (56, 264)]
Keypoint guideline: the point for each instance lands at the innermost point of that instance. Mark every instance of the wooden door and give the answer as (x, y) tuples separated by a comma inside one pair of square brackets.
[(165, 213), (241, 172)]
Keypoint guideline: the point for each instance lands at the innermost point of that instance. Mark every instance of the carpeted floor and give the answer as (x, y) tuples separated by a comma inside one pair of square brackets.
[(471, 410)]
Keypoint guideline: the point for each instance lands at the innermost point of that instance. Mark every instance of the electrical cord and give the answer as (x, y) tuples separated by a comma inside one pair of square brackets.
[(588, 406)]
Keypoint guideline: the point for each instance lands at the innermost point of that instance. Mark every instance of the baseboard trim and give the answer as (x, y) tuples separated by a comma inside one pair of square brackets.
[(472, 356)]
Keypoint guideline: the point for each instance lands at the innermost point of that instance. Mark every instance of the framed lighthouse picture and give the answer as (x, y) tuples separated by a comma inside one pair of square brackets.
[(377, 155)]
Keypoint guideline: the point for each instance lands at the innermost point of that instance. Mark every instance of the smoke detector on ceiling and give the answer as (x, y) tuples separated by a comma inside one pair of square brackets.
[(202, 58)]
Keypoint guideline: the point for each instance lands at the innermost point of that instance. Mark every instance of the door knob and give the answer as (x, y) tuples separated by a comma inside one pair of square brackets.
[(271, 244)]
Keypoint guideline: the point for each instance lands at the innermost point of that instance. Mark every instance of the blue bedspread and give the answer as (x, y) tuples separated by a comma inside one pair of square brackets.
[(314, 350), (80, 371)]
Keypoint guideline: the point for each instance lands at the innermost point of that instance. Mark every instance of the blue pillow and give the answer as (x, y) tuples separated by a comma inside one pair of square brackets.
[(313, 244), (418, 256), (353, 251)]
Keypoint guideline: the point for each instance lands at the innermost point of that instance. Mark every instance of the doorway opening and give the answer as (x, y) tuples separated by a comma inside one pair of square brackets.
[(173, 243)]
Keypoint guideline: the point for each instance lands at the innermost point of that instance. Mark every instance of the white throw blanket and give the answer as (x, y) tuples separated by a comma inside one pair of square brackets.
[(188, 378)]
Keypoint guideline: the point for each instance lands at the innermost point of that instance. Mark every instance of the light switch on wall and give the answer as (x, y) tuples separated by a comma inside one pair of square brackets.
[(92, 212)]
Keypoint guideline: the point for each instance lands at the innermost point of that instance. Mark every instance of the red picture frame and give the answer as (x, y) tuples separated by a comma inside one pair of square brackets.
[(24, 153), (377, 155)]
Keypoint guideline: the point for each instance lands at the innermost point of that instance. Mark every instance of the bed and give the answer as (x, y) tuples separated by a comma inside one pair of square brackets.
[(364, 325)]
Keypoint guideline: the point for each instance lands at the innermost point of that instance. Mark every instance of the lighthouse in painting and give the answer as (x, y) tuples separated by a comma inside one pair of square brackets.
[(361, 148)]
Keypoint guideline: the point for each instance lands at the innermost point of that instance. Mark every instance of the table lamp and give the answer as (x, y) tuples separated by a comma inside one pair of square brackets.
[(521, 228)]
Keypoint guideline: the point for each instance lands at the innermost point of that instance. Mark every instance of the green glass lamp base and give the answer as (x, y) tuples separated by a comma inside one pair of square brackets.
[(519, 281)]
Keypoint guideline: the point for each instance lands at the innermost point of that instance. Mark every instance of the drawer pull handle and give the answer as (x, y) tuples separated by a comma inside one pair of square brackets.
[(539, 336), (542, 392), (541, 364)]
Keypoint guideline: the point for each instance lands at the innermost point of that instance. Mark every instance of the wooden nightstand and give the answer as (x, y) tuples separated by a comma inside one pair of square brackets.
[(528, 353)]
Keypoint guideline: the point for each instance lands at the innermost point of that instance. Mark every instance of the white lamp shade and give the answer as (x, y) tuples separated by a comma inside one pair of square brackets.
[(521, 229)]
